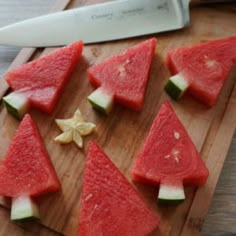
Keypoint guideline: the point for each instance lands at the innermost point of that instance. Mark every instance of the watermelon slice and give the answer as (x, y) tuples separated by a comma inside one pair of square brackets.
[(40, 82), (109, 203), (201, 69), (122, 78), (26, 171), (169, 158)]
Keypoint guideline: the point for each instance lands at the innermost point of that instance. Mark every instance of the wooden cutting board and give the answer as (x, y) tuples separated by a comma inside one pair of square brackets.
[(122, 133)]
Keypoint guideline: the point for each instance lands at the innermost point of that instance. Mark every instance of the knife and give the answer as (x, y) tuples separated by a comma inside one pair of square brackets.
[(100, 22)]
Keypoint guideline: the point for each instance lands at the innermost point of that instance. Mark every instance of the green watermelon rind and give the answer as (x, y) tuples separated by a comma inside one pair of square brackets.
[(176, 86), (26, 219), (101, 100), (169, 201), (16, 104), (171, 194)]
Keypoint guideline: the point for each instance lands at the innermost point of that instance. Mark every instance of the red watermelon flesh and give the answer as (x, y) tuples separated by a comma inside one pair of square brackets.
[(109, 203), (126, 75), (42, 80), (206, 66), (26, 168), (168, 154)]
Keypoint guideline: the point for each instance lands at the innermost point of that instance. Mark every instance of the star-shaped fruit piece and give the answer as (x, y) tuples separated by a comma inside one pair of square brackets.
[(73, 129)]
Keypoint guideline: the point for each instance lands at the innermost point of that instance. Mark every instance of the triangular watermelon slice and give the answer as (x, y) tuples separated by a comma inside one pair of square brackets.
[(109, 203), (169, 158), (201, 69), (122, 78), (41, 81), (26, 171)]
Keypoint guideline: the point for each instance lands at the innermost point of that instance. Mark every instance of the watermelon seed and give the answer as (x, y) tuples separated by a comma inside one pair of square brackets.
[(175, 152), (176, 135), (176, 155), (121, 70), (167, 156), (89, 196), (209, 63), (177, 159)]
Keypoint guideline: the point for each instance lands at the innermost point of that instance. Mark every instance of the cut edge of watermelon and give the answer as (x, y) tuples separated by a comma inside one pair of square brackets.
[(77, 46), (133, 103), (16, 104), (51, 185), (24, 208), (207, 98), (49, 106), (93, 146), (176, 187)]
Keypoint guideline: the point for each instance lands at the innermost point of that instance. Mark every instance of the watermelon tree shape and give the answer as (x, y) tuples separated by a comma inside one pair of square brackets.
[(26, 172), (122, 78), (201, 69), (39, 83), (109, 203), (169, 158)]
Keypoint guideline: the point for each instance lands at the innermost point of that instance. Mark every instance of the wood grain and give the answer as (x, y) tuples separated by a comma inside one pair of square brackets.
[(205, 126)]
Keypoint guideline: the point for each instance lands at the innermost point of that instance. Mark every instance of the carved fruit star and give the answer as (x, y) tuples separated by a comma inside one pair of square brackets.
[(73, 129)]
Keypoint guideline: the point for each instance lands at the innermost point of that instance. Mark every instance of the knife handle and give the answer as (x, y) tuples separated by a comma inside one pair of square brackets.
[(198, 2)]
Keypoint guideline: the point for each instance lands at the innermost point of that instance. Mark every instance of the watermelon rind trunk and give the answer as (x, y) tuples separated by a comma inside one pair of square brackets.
[(16, 104), (171, 194), (101, 100), (24, 208), (176, 86)]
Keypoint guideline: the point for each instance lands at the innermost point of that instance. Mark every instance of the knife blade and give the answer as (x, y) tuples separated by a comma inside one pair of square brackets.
[(101, 22), (98, 23)]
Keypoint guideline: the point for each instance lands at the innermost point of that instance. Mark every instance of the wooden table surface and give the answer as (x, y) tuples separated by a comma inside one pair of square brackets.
[(222, 214)]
